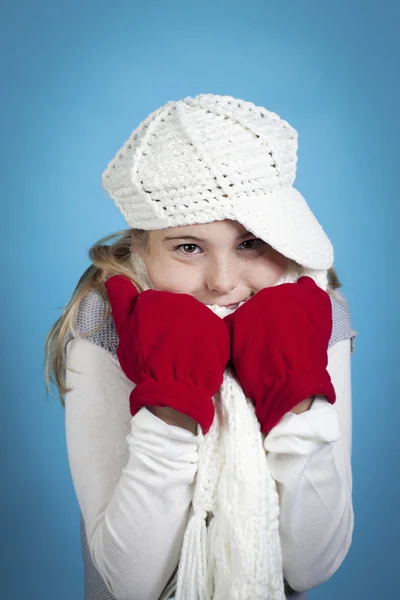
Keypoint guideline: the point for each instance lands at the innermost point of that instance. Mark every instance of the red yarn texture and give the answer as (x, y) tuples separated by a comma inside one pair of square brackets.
[(279, 347), (173, 347)]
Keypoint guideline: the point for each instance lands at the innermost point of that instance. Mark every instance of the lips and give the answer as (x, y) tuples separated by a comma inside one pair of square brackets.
[(235, 304)]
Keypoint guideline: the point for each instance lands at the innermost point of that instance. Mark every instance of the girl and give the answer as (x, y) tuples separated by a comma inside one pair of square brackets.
[(204, 358)]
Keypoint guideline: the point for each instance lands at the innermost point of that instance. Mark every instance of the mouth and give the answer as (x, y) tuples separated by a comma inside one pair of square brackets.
[(236, 304)]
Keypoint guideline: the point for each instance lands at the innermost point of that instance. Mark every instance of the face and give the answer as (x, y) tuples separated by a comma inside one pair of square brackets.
[(217, 263)]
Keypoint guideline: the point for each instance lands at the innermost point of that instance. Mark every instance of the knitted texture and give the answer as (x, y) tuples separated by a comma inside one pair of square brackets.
[(232, 455), (210, 158), (282, 359), (243, 558), (156, 330), (96, 589)]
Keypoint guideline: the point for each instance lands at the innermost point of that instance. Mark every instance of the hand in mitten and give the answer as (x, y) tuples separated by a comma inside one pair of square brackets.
[(172, 346), (279, 347)]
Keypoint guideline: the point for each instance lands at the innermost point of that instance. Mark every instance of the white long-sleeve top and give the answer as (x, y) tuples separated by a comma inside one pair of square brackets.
[(134, 477)]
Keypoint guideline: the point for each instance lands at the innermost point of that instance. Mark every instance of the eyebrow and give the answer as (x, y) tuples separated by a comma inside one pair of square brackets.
[(197, 239)]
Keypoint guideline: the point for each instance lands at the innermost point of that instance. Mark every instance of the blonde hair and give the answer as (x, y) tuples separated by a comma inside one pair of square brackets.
[(107, 260)]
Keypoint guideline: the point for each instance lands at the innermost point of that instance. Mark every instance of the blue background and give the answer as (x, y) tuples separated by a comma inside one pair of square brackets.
[(77, 77)]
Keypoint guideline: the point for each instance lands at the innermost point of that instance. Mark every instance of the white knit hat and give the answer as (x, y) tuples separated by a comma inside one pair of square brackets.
[(211, 158)]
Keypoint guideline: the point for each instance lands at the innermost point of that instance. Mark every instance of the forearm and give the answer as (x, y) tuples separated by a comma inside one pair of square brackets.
[(303, 406), (316, 516), (174, 417), (309, 456), (137, 543)]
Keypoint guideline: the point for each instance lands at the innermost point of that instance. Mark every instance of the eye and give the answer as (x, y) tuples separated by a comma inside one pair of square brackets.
[(188, 249), (187, 246), (254, 243)]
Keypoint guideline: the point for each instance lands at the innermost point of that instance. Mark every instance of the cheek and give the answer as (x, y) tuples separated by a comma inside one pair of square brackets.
[(271, 268), (279, 262), (167, 277)]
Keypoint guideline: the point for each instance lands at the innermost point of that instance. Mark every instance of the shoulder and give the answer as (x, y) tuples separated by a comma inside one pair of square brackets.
[(94, 322), (341, 320)]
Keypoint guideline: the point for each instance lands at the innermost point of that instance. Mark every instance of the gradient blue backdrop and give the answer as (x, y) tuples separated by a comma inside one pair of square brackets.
[(77, 77)]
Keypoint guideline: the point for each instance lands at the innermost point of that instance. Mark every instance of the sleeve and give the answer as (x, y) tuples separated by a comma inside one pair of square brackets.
[(133, 476), (309, 456)]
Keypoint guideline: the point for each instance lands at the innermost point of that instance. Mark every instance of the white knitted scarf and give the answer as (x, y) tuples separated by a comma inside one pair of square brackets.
[(231, 548)]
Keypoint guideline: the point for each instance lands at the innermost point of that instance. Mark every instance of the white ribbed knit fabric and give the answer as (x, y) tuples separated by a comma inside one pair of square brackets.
[(211, 158), (238, 555)]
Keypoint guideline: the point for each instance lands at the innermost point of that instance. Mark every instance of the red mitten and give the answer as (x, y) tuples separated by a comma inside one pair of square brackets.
[(279, 341), (172, 346)]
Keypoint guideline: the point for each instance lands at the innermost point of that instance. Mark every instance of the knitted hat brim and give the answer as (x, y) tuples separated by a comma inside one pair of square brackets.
[(283, 219), (280, 217)]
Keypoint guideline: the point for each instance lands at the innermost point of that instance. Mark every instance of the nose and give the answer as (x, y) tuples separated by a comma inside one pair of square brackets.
[(222, 276)]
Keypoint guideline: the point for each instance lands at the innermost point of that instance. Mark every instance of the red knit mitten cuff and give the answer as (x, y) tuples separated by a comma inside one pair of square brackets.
[(282, 398), (182, 396)]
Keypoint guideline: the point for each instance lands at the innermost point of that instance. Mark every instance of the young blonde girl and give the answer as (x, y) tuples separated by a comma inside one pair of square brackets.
[(208, 394)]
